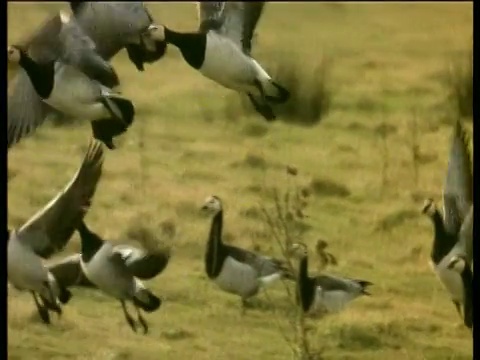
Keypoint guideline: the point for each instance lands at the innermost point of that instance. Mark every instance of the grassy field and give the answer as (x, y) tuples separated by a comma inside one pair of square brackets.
[(387, 64)]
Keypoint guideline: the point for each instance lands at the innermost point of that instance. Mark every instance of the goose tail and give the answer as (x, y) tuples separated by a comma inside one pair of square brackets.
[(287, 273), (123, 113), (364, 284), (145, 299), (276, 93)]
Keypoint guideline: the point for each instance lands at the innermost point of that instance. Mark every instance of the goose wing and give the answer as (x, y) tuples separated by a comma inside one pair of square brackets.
[(115, 25), (80, 51), (142, 264), (49, 230), (68, 272), (336, 283), (264, 265), (236, 20), (458, 187), (464, 243), (62, 39), (26, 110)]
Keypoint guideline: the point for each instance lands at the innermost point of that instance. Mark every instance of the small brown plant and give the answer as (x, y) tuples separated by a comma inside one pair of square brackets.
[(285, 222)]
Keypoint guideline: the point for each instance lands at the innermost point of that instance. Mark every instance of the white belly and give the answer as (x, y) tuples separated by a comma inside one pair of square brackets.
[(227, 65), (25, 269), (75, 95), (450, 279), (237, 278), (102, 274)]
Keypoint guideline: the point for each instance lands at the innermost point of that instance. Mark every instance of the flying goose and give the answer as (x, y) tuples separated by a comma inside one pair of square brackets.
[(48, 232), (454, 225), (61, 68), (106, 268), (144, 265), (221, 48), (116, 25), (324, 294), (235, 270)]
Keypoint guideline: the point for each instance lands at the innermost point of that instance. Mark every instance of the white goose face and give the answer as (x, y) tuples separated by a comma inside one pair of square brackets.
[(299, 250), (212, 204), (428, 207), (13, 54), (457, 263), (155, 32)]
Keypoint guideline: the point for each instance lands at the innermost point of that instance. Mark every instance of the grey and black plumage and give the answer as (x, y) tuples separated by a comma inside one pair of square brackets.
[(235, 270), (117, 25), (453, 231), (460, 264), (221, 51), (105, 267), (62, 74), (48, 232), (143, 264), (325, 294)]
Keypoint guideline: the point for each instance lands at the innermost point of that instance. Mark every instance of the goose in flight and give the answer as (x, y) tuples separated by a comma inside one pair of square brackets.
[(143, 264), (235, 270), (221, 51), (106, 268), (453, 231), (61, 73), (116, 25), (48, 232)]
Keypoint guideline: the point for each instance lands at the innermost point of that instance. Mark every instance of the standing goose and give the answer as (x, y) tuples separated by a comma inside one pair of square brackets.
[(48, 232), (116, 25), (60, 64), (106, 268), (221, 48), (235, 270), (325, 293), (457, 202)]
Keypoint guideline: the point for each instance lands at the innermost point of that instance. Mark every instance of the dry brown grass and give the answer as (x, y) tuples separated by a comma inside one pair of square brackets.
[(388, 58)]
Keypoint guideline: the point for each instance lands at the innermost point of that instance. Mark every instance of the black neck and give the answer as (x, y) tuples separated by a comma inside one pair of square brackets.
[(215, 248), (442, 241), (306, 286), (41, 75), (90, 241), (192, 45)]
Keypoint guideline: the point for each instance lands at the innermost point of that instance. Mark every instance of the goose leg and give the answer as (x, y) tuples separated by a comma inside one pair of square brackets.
[(128, 317), (141, 320), (51, 302), (458, 307), (245, 306), (263, 109), (42, 310)]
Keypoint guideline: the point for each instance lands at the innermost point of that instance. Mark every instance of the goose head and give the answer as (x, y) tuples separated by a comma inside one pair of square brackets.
[(457, 263), (429, 207), (14, 54), (212, 205), (299, 250), (155, 32)]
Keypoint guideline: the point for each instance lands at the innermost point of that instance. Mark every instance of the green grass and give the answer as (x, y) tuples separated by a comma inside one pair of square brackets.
[(387, 61)]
